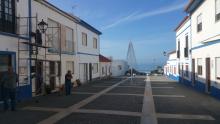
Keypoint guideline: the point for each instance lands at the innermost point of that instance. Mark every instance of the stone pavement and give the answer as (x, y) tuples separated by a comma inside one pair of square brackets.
[(144, 100)]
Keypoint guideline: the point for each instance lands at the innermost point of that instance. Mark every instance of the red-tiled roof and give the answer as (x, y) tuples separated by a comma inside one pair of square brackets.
[(104, 59), (181, 23)]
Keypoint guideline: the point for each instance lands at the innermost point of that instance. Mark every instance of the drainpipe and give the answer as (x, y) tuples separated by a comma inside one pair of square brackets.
[(30, 29)]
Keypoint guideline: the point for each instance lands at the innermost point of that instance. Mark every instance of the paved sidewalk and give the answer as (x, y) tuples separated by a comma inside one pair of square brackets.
[(152, 100), (188, 107)]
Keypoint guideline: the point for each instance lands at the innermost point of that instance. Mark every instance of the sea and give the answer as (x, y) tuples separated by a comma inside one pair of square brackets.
[(147, 68)]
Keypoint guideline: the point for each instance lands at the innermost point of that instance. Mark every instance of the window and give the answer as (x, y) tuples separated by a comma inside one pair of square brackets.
[(217, 68), (69, 40), (95, 43), (95, 68), (70, 66), (53, 35), (186, 49), (178, 50), (103, 70), (199, 66), (7, 16), (217, 10), (84, 39), (199, 23)]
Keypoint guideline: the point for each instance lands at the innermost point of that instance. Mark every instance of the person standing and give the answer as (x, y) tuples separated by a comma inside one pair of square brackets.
[(68, 84), (9, 81)]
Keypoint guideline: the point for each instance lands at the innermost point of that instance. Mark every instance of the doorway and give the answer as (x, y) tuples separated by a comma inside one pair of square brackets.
[(193, 72), (90, 71), (208, 75), (52, 74), (83, 72), (39, 77)]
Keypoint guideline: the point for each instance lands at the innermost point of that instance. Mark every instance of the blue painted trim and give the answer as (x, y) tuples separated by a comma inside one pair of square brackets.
[(172, 77), (206, 44), (13, 35), (215, 92), (183, 30), (87, 54)]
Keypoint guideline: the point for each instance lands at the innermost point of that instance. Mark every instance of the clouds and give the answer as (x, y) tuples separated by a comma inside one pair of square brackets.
[(134, 16)]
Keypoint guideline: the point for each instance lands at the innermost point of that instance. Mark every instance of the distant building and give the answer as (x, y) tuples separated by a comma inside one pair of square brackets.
[(119, 67), (105, 67), (183, 47), (171, 67)]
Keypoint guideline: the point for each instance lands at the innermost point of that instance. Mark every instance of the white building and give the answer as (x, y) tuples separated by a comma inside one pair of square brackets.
[(119, 67), (171, 67), (88, 50), (183, 47), (205, 24), (105, 67), (44, 58)]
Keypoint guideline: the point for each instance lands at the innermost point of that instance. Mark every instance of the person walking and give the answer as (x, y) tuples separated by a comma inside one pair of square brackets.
[(68, 84), (9, 81)]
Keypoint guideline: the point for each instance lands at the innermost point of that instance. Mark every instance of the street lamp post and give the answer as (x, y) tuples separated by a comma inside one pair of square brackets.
[(43, 28)]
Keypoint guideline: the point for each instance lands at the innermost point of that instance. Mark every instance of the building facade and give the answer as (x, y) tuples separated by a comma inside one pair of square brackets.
[(171, 67), (205, 25), (105, 67), (88, 50), (183, 47), (41, 58)]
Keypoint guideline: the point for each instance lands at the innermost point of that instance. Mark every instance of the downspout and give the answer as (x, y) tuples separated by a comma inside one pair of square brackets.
[(30, 29)]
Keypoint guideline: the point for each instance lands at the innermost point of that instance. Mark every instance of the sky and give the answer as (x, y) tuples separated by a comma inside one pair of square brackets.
[(148, 24)]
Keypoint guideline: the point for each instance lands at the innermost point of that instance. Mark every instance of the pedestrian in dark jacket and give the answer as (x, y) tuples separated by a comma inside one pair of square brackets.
[(9, 82), (68, 83)]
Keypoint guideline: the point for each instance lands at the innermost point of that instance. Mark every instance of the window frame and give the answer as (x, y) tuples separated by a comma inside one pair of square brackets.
[(8, 19), (95, 43), (95, 70), (68, 49), (217, 15), (84, 43), (199, 24), (199, 67)]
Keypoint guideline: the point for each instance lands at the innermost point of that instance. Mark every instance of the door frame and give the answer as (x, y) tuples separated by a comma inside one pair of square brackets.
[(208, 74), (90, 71), (193, 72)]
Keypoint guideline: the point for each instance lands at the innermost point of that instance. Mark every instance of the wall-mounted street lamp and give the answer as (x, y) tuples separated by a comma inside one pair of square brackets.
[(43, 26)]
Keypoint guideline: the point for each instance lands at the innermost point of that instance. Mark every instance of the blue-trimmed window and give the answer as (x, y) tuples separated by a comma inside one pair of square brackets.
[(7, 16)]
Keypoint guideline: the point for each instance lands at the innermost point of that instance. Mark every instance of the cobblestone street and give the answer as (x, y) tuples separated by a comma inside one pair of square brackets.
[(120, 101)]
